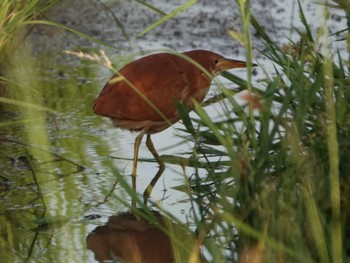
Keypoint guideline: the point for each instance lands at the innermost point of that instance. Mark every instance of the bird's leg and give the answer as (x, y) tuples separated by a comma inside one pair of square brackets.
[(134, 164), (149, 188)]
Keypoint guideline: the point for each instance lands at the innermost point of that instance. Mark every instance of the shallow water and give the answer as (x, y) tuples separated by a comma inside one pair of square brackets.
[(60, 169)]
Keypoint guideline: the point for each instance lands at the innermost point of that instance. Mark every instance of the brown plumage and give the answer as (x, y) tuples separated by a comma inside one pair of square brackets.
[(163, 79)]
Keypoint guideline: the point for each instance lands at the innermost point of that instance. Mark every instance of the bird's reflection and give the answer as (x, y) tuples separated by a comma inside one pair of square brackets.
[(128, 238)]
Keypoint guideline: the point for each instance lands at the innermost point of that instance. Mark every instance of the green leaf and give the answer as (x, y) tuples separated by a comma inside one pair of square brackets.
[(167, 17), (78, 33)]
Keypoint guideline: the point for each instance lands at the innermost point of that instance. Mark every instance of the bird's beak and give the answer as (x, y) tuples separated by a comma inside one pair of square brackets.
[(225, 64)]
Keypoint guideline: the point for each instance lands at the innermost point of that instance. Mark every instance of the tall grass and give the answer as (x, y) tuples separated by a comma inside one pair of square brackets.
[(13, 16), (276, 187), (279, 191)]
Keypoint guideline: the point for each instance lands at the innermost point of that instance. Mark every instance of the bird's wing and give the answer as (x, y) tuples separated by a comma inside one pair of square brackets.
[(164, 80)]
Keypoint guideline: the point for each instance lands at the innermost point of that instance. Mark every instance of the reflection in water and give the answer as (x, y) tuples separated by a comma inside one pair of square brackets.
[(131, 239)]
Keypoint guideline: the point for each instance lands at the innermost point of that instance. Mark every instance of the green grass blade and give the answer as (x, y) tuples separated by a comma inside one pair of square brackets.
[(169, 16), (317, 229), (76, 32), (304, 21), (25, 104), (117, 21), (152, 7)]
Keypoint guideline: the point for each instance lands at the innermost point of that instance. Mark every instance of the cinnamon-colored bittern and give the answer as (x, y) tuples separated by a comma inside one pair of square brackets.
[(142, 96)]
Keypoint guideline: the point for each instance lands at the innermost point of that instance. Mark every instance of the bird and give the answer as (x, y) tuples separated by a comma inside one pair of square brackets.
[(142, 96)]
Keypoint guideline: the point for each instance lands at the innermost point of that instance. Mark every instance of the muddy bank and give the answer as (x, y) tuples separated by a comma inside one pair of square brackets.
[(204, 25)]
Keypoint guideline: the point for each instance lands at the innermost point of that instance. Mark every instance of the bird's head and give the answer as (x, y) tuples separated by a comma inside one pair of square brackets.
[(213, 62)]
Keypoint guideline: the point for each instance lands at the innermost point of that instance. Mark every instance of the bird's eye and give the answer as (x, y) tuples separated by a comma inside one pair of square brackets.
[(216, 61)]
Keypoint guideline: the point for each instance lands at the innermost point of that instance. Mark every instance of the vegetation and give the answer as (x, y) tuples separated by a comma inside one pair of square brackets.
[(279, 188), (13, 16), (275, 187)]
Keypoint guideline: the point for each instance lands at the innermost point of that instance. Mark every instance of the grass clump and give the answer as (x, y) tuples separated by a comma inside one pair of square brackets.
[(13, 16), (279, 191)]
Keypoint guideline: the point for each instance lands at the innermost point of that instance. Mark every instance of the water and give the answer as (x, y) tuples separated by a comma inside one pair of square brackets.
[(60, 168)]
